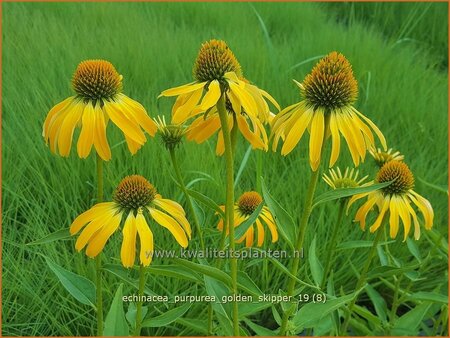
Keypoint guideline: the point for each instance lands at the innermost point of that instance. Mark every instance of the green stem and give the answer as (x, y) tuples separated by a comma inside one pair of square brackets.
[(229, 206), (187, 196), (259, 170), (333, 243), (301, 236), (137, 331), (361, 280), (98, 259)]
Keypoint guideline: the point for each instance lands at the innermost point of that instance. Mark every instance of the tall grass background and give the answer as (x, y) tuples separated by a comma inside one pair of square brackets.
[(399, 57)]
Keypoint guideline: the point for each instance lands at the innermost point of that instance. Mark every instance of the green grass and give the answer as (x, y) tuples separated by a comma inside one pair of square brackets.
[(402, 89)]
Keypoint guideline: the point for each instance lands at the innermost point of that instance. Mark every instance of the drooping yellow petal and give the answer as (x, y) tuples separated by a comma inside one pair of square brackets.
[(245, 98), (201, 129), (416, 221), (145, 240), (98, 241), (424, 206), (354, 198), (128, 249), (316, 139), (375, 129), (57, 109), (135, 109), (393, 218), (260, 233), (100, 138), (175, 213), (404, 215), (385, 200), (187, 88), (348, 136), (54, 128), (296, 132), (249, 236), (67, 129), (94, 227), (220, 147), (86, 138), (212, 95), (172, 225), (89, 215), (185, 110), (133, 146), (335, 138), (254, 140), (129, 127), (362, 212)]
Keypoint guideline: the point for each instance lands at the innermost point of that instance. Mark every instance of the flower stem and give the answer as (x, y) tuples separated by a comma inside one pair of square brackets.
[(307, 208), (98, 259), (333, 243), (229, 206), (187, 196), (137, 331), (361, 280)]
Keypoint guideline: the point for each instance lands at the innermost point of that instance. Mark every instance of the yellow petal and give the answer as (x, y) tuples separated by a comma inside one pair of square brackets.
[(170, 224), (316, 139), (203, 129), (362, 212), (424, 206), (135, 109), (57, 109), (245, 98), (220, 147), (335, 138), (260, 233), (89, 215), (212, 95), (100, 138), (296, 132), (380, 217), (185, 110), (348, 138), (145, 239), (393, 218), (92, 228), (187, 88), (67, 129), (128, 127), (375, 129), (98, 241), (86, 138), (128, 249), (254, 140), (249, 236), (404, 215), (175, 213)]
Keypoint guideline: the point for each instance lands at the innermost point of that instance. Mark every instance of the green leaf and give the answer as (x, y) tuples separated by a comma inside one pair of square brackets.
[(131, 314), (386, 271), (115, 322), (242, 166), (247, 308), (408, 324), (62, 234), (167, 317), (206, 201), (314, 263), (222, 311), (359, 244), (429, 296), (378, 302), (310, 314), (441, 188), (366, 314), (413, 248), (81, 288), (123, 274), (199, 326), (246, 283), (284, 221), (260, 330), (206, 270), (243, 227), (347, 192), (174, 271)]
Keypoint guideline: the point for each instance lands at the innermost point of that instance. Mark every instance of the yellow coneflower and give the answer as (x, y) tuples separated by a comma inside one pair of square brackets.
[(135, 201), (381, 157), (171, 134), (217, 72), (99, 98), (329, 92), (336, 180), (395, 199), (246, 205)]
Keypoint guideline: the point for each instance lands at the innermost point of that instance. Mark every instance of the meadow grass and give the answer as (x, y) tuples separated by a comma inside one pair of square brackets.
[(403, 89)]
